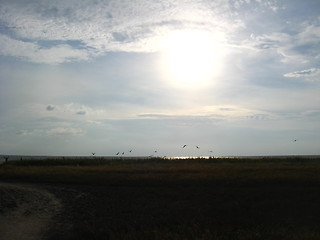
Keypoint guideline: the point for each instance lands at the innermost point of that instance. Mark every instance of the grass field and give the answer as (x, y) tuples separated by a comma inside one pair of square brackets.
[(179, 199)]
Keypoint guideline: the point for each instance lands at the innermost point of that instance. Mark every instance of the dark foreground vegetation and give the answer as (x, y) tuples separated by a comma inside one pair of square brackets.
[(179, 199)]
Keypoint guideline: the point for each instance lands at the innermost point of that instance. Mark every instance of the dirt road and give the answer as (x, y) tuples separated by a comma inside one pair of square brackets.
[(26, 211)]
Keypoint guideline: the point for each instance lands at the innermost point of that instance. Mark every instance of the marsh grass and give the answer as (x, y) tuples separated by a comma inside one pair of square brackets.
[(101, 171), (181, 199)]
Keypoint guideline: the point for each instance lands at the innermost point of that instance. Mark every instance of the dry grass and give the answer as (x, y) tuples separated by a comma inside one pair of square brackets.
[(193, 199), (178, 170)]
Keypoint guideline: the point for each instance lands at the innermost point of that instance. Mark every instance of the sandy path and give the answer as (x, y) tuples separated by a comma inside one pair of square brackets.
[(26, 211)]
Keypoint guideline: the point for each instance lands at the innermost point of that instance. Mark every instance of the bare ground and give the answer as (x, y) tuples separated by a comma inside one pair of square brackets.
[(26, 211)]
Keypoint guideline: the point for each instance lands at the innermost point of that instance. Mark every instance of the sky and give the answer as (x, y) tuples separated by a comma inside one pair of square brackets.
[(233, 77)]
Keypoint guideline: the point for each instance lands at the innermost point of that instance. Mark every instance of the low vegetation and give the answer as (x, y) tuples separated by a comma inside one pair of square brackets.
[(273, 198)]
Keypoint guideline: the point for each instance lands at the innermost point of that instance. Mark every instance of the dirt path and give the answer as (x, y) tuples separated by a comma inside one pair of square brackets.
[(26, 211)]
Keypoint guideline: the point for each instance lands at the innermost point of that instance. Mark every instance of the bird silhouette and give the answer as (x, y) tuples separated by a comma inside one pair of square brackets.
[(93, 153), (197, 147), (184, 146), (130, 150), (295, 140), (117, 153), (122, 153)]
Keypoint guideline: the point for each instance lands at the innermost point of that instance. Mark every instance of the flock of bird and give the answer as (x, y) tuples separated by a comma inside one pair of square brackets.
[(184, 146), (123, 153)]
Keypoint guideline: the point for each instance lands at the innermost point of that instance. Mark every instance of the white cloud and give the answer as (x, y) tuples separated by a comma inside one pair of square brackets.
[(24, 133), (81, 113), (65, 132), (70, 111), (226, 113), (34, 53), (267, 4), (280, 44), (271, 41), (58, 54), (303, 46), (293, 42), (312, 74), (11, 47), (314, 113), (100, 27), (258, 117), (310, 33)]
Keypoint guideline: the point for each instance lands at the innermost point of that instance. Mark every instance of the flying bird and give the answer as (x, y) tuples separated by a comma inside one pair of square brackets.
[(122, 153), (295, 140), (197, 147), (117, 153), (184, 146), (130, 150), (93, 153)]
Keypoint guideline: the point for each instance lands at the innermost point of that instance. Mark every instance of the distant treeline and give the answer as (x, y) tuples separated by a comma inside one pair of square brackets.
[(90, 161)]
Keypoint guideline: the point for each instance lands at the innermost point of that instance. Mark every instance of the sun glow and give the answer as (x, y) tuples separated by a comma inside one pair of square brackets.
[(192, 58)]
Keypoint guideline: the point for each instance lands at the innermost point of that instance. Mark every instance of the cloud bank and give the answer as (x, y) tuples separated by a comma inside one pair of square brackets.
[(55, 32)]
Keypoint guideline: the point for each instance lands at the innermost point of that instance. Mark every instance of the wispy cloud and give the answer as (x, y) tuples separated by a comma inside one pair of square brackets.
[(311, 74), (218, 113), (69, 110), (265, 42), (65, 132), (24, 133), (62, 31), (294, 42), (258, 117), (81, 113), (314, 113), (31, 51)]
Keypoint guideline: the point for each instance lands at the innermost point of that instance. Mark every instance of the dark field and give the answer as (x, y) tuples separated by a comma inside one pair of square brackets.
[(178, 199)]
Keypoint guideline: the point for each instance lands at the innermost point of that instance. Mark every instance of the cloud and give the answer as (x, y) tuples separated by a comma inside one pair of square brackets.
[(312, 113), (226, 109), (55, 32), (69, 111), (81, 113), (63, 31), (30, 51), (311, 74), (294, 42), (264, 41), (50, 108), (258, 117), (265, 4), (217, 113), (24, 133), (305, 44), (65, 132)]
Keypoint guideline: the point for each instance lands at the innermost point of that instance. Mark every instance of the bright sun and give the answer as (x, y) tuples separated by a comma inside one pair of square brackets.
[(191, 58)]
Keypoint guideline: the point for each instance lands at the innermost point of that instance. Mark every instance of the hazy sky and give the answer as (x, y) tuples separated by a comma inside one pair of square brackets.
[(235, 77)]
